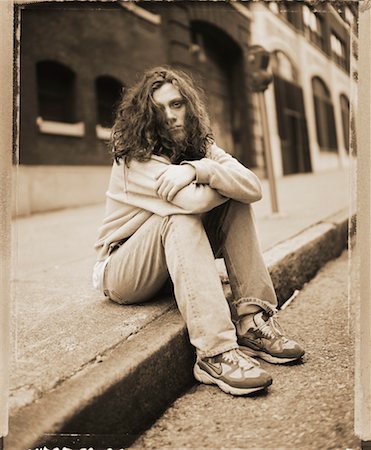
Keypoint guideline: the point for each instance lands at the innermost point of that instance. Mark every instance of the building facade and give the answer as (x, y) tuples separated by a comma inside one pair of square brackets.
[(76, 60), (310, 98)]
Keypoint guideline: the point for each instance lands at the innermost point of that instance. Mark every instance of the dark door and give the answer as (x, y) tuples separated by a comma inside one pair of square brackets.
[(292, 126), (218, 93), (219, 63)]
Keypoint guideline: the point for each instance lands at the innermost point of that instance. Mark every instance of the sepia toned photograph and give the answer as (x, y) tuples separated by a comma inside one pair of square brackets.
[(184, 250)]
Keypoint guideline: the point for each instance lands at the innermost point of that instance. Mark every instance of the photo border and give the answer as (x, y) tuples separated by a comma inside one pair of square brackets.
[(9, 120)]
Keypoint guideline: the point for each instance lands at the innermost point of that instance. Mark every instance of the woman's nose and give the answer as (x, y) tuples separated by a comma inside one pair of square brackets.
[(169, 114)]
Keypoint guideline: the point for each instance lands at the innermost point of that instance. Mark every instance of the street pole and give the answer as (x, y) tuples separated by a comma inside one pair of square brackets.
[(268, 153), (6, 137), (260, 78)]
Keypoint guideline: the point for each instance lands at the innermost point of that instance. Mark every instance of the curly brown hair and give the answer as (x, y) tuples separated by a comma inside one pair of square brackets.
[(140, 124)]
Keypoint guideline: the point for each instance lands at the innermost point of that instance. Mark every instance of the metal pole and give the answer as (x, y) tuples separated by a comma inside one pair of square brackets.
[(363, 324), (6, 131), (268, 153)]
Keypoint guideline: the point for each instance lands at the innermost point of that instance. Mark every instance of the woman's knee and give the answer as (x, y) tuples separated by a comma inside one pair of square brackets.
[(129, 293), (131, 298), (116, 297)]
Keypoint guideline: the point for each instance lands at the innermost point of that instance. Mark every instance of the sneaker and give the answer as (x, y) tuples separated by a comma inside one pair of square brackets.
[(234, 372), (264, 338)]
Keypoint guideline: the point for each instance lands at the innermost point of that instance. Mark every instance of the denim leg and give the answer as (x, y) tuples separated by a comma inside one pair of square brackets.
[(137, 270), (231, 229), (177, 245)]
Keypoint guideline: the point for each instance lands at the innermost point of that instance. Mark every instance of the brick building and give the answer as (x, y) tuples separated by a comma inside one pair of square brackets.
[(76, 57)]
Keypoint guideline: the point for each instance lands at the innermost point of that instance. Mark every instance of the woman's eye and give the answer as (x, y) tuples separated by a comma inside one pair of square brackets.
[(177, 105)]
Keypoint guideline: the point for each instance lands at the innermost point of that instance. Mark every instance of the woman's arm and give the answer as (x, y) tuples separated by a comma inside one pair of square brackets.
[(229, 177), (141, 186)]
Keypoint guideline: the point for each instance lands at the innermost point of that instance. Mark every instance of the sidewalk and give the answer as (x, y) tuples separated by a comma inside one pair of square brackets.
[(62, 327)]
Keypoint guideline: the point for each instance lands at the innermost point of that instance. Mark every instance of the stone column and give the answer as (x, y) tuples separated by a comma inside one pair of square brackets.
[(6, 132), (363, 322)]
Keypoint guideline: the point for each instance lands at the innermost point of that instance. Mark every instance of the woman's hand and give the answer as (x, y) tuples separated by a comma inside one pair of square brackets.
[(173, 179)]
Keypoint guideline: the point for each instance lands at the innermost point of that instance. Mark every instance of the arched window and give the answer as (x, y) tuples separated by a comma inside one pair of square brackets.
[(325, 119), (108, 93), (291, 120), (345, 118), (56, 92), (283, 67)]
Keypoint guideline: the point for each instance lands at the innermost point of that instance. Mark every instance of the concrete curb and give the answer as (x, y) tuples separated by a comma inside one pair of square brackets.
[(110, 403), (119, 396), (294, 262)]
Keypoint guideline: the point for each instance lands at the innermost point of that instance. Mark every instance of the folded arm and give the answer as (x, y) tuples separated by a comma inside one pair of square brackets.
[(173, 179), (141, 190), (226, 175)]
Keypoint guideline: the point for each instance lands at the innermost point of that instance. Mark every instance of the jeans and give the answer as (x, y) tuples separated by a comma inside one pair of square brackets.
[(184, 247)]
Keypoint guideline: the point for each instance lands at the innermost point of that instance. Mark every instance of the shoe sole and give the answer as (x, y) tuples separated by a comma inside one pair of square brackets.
[(267, 357), (204, 377)]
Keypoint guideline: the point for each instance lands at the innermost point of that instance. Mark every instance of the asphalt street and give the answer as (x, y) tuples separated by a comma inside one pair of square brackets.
[(309, 405)]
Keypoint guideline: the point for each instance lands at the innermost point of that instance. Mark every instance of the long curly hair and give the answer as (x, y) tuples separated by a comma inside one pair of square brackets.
[(140, 127)]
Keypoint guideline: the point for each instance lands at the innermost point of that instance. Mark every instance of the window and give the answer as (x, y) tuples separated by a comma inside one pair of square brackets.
[(56, 92), (310, 19), (286, 9), (282, 66), (313, 27), (108, 93), (291, 120), (273, 6), (349, 17), (345, 118), (325, 119), (338, 50)]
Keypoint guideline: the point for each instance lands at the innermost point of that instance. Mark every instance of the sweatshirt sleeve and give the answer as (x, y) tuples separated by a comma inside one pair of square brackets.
[(140, 180), (226, 175)]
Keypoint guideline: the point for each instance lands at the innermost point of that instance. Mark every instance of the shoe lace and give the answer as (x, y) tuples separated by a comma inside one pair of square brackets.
[(238, 357), (270, 327)]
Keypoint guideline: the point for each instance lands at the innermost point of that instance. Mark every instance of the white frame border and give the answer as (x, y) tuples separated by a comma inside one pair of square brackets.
[(363, 335)]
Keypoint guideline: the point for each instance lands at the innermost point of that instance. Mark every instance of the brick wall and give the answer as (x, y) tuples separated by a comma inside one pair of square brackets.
[(95, 39), (92, 42)]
